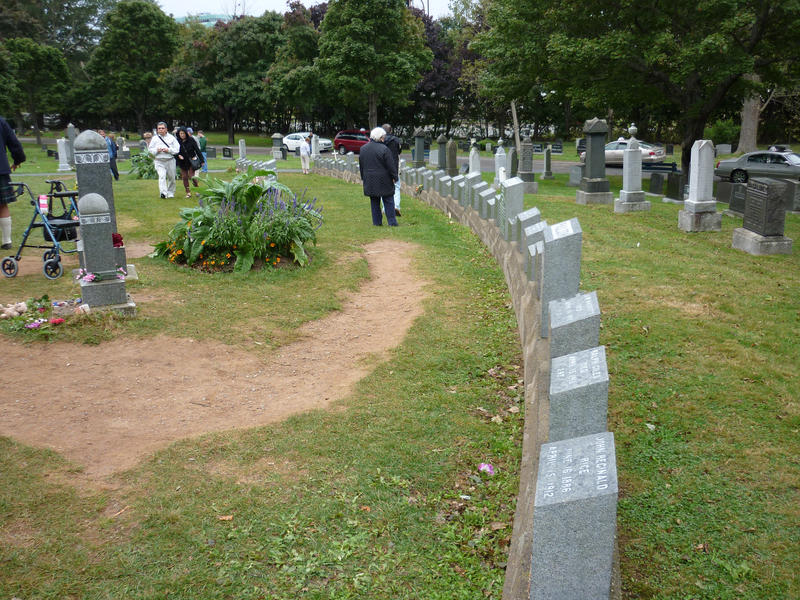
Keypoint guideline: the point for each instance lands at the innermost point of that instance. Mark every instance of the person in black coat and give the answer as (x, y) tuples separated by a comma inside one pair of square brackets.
[(378, 174), (188, 150), (7, 192)]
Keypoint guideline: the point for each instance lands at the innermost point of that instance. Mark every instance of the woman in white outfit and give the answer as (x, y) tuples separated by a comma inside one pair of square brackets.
[(305, 155), (164, 147)]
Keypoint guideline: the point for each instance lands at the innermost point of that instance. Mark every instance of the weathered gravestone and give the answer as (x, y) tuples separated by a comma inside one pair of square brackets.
[(72, 134), (791, 195), (764, 220), (574, 324), (631, 196), (575, 175), (441, 152), (470, 181), (700, 209), (277, 145), (419, 148), (101, 281), (574, 519), (452, 158), (578, 393), (675, 184), (657, 184), (723, 149), (547, 173), (524, 220), (242, 149), (457, 187), (315, 147), (732, 194), (484, 197), (512, 162), (526, 166), (595, 188), (499, 162), (561, 265), (474, 158), (63, 162), (510, 206)]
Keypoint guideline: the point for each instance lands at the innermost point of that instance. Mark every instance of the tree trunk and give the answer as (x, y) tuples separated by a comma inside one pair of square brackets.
[(373, 110), (228, 111)]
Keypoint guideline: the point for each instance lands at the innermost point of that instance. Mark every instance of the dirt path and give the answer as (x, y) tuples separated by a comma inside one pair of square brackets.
[(106, 407)]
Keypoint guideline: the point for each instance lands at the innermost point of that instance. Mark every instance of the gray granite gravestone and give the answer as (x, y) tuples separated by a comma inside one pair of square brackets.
[(578, 393), (764, 219), (512, 162), (242, 149), (470, 180), (561, 265), (547, 173), (63, 162), (574, 519), (442, 151), (277, 144), (499, 163), (477, 189), (524, 220), (474, 158), (700, 209), (101, 284), (457, 187), (445, 186), (72, 134), (513, 197), (533, 265), (723, 149), (595, 188), (526, 166), (631, 196), (574, 324), (452, 158), (575, 175), (675, 185), (657, 184), (483, 201), (314, 147), (791, 195), (419, 148)]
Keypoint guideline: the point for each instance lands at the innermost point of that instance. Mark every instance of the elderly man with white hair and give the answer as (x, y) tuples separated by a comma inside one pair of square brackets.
[(378, 174)]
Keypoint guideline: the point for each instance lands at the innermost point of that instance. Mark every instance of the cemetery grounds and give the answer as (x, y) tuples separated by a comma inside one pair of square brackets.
[(359, 478)]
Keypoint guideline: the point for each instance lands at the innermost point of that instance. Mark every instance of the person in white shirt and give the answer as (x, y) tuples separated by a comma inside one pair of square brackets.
[(164, 147), (305, 154)]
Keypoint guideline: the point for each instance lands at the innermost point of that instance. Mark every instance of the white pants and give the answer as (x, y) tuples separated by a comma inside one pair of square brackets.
[(305, 162), (397, 194), (166, 176)]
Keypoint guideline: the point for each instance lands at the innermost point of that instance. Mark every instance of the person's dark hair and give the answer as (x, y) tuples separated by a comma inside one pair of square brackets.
[(387, 127), (183, 129)]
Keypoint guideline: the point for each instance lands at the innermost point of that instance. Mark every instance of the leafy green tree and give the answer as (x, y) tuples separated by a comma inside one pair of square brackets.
[(682, 59), (39, 74), (372, 51), (139, 42)]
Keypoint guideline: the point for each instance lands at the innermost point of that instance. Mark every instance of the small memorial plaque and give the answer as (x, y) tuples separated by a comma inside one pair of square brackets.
[(574, 519), (538, 148)]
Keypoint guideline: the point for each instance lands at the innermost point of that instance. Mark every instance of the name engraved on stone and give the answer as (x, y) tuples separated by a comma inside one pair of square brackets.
[(93, 220), (578, 394), (562, 229), (91, 158)]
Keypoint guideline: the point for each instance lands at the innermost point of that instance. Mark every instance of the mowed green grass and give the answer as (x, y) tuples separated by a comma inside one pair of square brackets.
[(368, 501)]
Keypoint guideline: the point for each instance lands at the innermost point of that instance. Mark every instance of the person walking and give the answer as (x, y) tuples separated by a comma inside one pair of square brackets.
[(305, 155), (112, 153), (378, 174), (189, 158), (164, 148), (393, 143), (201, 143), (8, 140)]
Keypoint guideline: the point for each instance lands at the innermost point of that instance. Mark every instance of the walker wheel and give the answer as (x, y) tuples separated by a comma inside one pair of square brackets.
[(53, 268), (48, 255), (10, 266)]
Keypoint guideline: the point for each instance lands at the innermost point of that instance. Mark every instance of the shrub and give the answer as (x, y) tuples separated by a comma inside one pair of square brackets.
[(239, 221), (142, 165)]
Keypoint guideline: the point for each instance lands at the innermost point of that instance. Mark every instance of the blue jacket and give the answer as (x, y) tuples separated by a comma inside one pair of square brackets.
[(112, 148), (10, 141)]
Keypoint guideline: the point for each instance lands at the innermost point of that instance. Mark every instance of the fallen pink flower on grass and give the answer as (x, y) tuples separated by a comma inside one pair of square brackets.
[(486, 468)]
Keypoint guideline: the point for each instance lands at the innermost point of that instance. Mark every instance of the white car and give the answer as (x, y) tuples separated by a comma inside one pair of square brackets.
[(293, 140), (614, 152)]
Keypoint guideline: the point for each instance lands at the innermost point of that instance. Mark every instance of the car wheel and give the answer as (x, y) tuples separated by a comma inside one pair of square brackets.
[(342, 150), (739, 176)]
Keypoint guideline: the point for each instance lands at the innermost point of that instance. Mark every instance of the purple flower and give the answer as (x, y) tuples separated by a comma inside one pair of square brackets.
[(32, 325), (486, 468)]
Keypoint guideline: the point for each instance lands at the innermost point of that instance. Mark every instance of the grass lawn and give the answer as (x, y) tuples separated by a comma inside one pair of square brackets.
[(381, 498)]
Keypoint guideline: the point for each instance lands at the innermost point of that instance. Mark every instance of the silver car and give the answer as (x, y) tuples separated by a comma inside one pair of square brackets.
[(615, 150), (762, 163)]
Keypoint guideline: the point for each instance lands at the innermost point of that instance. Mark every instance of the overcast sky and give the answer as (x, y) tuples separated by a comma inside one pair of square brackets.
[(180, 8)]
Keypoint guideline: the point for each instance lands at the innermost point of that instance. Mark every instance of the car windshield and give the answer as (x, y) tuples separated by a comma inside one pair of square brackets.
[(793, 158)]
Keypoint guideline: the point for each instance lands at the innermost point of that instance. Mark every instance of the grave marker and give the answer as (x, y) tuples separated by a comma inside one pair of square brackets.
[(631, 196), (594, 187), (700, 209), (578, 393), (561, 265), (574, 324), (764, 219)]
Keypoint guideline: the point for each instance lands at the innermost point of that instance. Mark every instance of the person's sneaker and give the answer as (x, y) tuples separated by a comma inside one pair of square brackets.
[(163, 196), (397, 212), (6, 246)]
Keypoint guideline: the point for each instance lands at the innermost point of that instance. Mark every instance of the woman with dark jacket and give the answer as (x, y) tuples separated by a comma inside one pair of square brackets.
[(378, 174), (188, 150)]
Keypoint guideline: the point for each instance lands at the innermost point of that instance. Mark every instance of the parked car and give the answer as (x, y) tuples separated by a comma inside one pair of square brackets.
[(614, 152), (761, 163), (292, 141), (350, 140)]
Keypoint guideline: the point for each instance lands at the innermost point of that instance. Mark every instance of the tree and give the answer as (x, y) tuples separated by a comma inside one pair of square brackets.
[(140, 41), (372, 51), (39, 73), (685, 60)]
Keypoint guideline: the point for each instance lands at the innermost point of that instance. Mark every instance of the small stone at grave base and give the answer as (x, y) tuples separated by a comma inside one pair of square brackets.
[(692, 222), (760, 245)]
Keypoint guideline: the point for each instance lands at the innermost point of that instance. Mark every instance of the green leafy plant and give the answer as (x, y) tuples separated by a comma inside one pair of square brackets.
[(240, 221), (142, 165)]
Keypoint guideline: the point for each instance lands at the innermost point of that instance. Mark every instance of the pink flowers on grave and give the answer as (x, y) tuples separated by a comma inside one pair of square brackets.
[(486, 468), (56, 321)]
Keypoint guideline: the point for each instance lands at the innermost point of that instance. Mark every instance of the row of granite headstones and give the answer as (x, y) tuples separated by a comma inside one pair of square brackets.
[(765, 200), (242, 164), (574, 520)]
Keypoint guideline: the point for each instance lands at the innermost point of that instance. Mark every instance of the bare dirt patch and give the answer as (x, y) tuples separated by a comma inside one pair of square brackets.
[(106, 407)]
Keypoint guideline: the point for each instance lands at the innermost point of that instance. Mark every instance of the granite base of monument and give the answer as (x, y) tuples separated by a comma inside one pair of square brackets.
[(575, 519), (582, 197), (631, 202), (691, 222), (760, 245)]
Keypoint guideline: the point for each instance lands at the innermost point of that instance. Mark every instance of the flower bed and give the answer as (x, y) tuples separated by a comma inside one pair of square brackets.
[(249, 220)]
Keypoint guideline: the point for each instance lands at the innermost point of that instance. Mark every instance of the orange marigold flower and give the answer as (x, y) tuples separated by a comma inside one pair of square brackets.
[(203, 243), (228, 255), (278, 259), (272, 244), (180, 251)]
